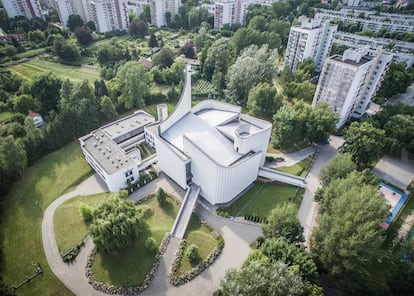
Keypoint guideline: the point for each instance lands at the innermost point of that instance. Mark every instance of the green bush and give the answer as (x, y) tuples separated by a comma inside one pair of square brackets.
[(192, 253), (161, 196), (86, 212), (151, 245)]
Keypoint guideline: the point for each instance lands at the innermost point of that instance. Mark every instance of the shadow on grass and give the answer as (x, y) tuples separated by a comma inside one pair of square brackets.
[(168, 208), (78, 181)]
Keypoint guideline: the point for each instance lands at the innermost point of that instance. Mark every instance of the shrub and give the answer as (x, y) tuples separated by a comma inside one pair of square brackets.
[(151, 245), (192, 253), (86, 212), (161, 196), (148, 212)]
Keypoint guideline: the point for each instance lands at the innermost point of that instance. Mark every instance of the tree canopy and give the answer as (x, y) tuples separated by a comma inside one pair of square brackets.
[(339, 167), (263, 100), (138, 28)]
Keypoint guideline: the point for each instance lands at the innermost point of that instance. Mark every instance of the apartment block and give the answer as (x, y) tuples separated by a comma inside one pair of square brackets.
[(27, 8), (159, 8), (137, 6), (312, 39), (108, 15), (66, 8), (349, 82)]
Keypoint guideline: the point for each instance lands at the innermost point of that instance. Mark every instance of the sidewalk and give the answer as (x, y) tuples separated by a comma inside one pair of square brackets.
[(291, 158)]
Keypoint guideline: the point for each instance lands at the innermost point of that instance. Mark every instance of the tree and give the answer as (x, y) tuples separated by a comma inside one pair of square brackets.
[(339, 167), (348, 238), (134, 83), (65, 51), (164, 58), (151, 245), (25, 103), (138, 28), (153, 42), (364, 142), (74, 21), (84, 35), (91, 25), (37, 37), (262, 279), (399, 130), (86, 212), (45, 88), (396, 80), (108, 110), (161, 196), (263, 100), (192, 253), (253, 66), (321, 123), (116, 223), (13, 160), (188, 50), (283, 222)]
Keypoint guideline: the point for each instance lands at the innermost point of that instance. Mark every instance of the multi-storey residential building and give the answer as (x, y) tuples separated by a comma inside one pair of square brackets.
[(391, 22), (349, 82), (137, 6), (159, 8), (27, 8), (66, 8), (312, 39), (109, 15), (403, 52)]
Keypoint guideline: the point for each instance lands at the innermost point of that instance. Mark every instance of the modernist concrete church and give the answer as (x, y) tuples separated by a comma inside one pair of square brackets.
[(211, 145)]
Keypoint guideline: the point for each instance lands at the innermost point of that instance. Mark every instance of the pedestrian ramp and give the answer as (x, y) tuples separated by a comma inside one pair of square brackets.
[(186, 209), (281, 177)]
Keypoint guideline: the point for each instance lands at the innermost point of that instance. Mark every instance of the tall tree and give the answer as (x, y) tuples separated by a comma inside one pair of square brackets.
[(45, 88), (283, 222), (138, 28), (321, 123), (134, 84), (13, 160), (108, 110), (164, 58), (262, 279), (364, 142), (84, 35), (153, 42), (396, 80), (74, 21), (25, 103), (339, 167), (254, 65), (263, 100)]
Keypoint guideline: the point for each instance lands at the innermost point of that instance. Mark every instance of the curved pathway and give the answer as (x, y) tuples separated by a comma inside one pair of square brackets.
[(237, 237), (291, 158)]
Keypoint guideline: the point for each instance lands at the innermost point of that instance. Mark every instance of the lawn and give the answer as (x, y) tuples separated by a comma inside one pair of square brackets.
[(201, 236), (22, 215), (132, 264), (299, 169), (69, 226), (36, 67), (261, 198)]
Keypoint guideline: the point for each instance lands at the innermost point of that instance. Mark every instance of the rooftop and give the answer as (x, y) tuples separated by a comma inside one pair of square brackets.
[(125, 125)]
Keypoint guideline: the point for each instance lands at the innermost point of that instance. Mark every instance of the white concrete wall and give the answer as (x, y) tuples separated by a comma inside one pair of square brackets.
[(118, 180)]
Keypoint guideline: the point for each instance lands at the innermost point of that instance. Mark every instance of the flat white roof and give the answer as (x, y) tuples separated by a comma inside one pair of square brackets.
[(205, 135), (216, 117), (127, 124)]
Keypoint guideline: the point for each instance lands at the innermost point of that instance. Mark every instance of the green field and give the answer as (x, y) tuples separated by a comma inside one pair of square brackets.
[(132, 264), (36, 67), (69, 226), (299, 169), (22, 215), (261, 198), (201, 236)]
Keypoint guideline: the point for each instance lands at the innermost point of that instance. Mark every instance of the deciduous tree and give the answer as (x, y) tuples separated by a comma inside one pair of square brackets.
[(263, 100)]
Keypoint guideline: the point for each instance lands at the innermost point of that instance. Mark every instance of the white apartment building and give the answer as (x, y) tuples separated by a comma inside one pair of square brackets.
[(391, 22), (160, 7), (234, 11), (66, 8), (137, 6), (349, 82), (111, 150), (109, 15), (312, 39), (402, 51), (27, 8)]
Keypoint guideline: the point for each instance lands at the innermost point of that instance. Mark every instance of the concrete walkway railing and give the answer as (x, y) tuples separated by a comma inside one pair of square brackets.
[(281, 177)]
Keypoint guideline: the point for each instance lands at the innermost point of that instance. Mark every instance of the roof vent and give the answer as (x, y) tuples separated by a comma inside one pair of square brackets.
[(109, 149), (95, 144)]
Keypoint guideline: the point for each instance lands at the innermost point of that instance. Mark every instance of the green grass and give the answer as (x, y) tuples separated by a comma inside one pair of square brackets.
[(201, 236), (31, 53), (5, 115), (68, 224), (36, 67), (22, 215), (132, 264), (152, 109), (299, 169), (261, 198)]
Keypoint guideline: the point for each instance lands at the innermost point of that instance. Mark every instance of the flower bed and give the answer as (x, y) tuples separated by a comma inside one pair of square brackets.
[(132, 290)]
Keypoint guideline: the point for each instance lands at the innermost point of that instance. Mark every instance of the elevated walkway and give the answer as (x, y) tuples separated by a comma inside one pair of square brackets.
[(184, 214), (281, 177), (147, 162)]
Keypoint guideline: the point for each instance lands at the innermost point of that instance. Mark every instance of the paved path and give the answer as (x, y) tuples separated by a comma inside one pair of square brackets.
[(308, 208), (185, 212), (290, 158), (71, 275), (275, 175)]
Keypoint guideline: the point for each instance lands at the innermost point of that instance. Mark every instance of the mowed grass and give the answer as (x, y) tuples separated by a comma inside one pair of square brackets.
[(299, 169), (201, 236), (131, 265), (22, 215), (68, 224), (36, 67), (261, 198)]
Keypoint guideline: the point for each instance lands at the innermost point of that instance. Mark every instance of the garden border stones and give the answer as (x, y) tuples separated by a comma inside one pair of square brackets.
[(132, 290)]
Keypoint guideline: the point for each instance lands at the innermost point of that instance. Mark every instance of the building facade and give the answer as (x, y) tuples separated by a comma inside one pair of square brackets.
[(159, 8), (136, 7), (108, 15), (312, 39), (27, 8), (349, 82), (66, 8), (211, 137), (111, 150)]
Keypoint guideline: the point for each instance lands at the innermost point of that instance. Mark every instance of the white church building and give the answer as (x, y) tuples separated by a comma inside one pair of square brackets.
[(211, 145)]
